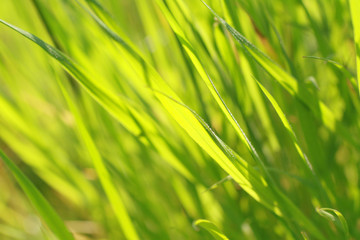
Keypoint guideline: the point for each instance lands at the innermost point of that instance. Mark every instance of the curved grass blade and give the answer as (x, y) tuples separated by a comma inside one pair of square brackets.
[(211, 228), (218, 183), (336, 217), (355, 10), (290, 84), (45, 210)]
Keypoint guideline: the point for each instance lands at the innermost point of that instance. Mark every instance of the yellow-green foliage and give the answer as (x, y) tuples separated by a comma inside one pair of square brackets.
[(179, 119)]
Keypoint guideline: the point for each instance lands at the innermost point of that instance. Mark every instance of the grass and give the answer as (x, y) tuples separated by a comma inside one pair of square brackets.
[(179, 119)]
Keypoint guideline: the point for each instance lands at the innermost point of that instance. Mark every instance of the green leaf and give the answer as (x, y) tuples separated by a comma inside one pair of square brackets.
[(42, 206)]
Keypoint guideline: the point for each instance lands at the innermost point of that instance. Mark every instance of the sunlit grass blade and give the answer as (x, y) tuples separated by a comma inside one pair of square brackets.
[(42, 206), (211, 228), (355, 9)]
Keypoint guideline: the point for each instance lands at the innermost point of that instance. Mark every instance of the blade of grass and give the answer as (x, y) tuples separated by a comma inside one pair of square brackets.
[(45, 210)]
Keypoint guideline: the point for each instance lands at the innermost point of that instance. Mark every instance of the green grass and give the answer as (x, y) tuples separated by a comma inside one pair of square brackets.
[(179, 119)]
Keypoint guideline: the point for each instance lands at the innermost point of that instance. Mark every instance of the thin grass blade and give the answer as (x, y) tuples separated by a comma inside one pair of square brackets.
[(336, 217), (211, 228)]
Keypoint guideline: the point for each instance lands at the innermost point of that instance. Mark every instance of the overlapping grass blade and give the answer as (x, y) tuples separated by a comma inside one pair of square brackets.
[(336, 217), (42, 206), (211, 228)]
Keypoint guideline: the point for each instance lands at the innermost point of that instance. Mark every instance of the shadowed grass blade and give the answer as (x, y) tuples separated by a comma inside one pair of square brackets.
[(335, 216), (211, 228)]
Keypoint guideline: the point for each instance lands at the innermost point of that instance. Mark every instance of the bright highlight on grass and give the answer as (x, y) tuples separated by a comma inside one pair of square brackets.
[(179, 119)]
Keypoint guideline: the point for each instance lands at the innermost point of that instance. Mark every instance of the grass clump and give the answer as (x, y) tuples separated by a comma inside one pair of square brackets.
[(179, 119)]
